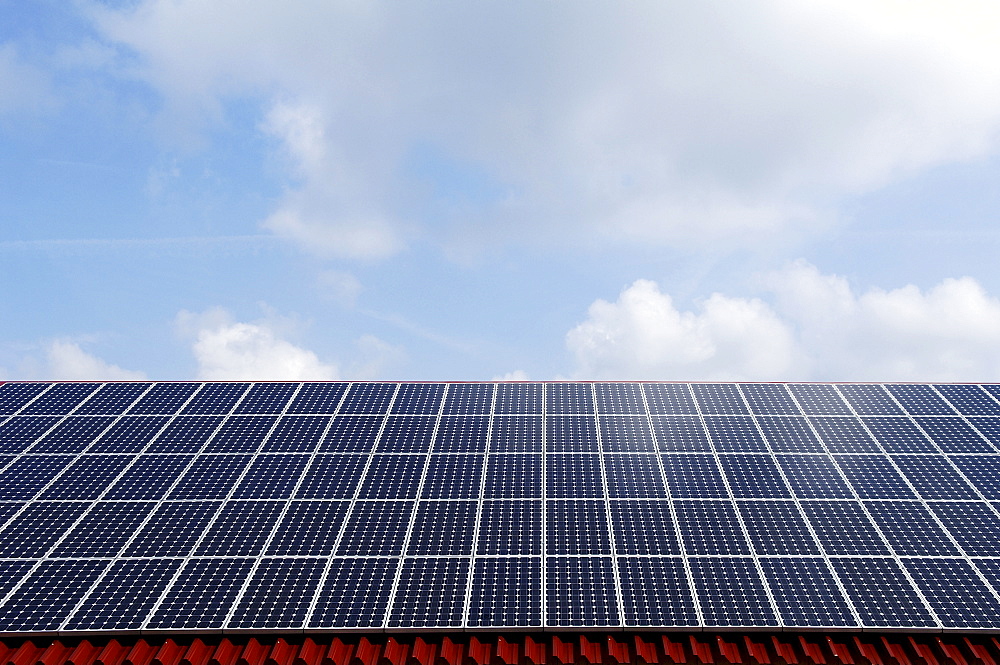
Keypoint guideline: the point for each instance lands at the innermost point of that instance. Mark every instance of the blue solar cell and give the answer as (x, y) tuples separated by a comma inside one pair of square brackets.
[(407, 434), (920, 400), (974, 525), (453, 477), (843, 528), (355, 594), (911, 529), (814, 477), (103, 531), (309, 528), (11, 573), (210, 477), (899, 435), (202, 594), (868, 399), (469, 398), (754, 477), (462, 434), (112, 398), (430, 593), (524, 398), (130, 434), (969, 400), (874, 477), (735, 434), (87, 478), (368, 398), (6, 510), (18, 433), (777, 528), (990, 569), (681, 434), (710, 527), (769, 399), (393, 477), (376, 528), (241, 529), (48, 595), (569, 398), (61, 399), (983, 471), (806, 593), (317, 398), (164, 399), (185, 434), (510, 528), (731, 593), (241, 434), (271, 477), (32, 533), (623, 398), (513, 477), (279, 594), (27, 475), (634, 477), (72, 435), (881, 594), (332, 477), (844, 435), (123, 598), (573, 476), (443, 528), (173, 529), (655, 592), (419, 398), (934, 477), (643, 527), (571, 434), (819, 399), (352, 434), (788, 434), (580, 592), (503, 593), (13, 396), (576, 527), (719, 398), (694, 476), (214, 398), (626, 434), (516, 434), (989, 428), (266, 398), (954, 435), (296, 434), (669, 399)]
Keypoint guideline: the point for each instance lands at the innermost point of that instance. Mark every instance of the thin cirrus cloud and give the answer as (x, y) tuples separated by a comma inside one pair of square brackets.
[(680, 124), (811, 326)]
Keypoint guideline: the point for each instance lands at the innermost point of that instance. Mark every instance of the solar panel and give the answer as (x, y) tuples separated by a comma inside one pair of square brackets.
[(141, 506)]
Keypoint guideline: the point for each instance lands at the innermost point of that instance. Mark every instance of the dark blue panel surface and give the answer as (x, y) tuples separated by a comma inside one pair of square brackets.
[(881, 594), (955, 592), (453, 477), (580, 592), (777, 527), (241, 434), (376, 528), (443, 528), (271, 477), (524, 398), (573, 476), (210, 477), (911, 529), (577, 527), (48, 595), (754, 477), (969, 400), (513, 477), (561, 398), (710, 527), (61, 399), (731, 593), (368, 398), (634, 477), (934, 477), (123, 598), (655, 592), (214, 398), (355, 593), (87, 478), (770, 398), (788, 434), (392, 477), (13, 396), (571, 434), (185, 434), (72, 435), (266, 398), (469, 398), (735, 434), (164, 398), (130, 434), (676, 434), (874, 477), (296, 434), (626, 434), (693, 476), (352, 434), (643, 527), (718, 398), (814, 477), (920, 400), (317, 398), (309, 528), (18, 433), (868, 399), (173, 529), (843, 528), (819, 399), (806, 593), (619, 398), (505, 593), (669, 399), (112, 398), (419, 398), (975, 526), (279, 594), (844, 435), (430, 593), (983, 471), (27, 475), (516, 434), (954, 435), (511, 528), (899, 435), (332, 477), (37, 528), (202, 594), (407, 434), (989, 427), (462, 434), (103, 531), (241, 529)]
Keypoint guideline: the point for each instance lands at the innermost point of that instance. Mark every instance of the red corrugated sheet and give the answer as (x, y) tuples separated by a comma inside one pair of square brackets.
[(562, 649)]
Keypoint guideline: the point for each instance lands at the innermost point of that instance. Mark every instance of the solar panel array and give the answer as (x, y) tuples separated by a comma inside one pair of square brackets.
[(514, 506)]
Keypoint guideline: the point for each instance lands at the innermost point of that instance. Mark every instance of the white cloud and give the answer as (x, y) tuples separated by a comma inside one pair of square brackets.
[(817, 328), (23, 87), (516, 375), (676, 122), (66, 361)]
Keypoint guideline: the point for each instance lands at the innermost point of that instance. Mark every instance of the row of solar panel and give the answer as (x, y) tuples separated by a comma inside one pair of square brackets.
[(283, 593), (499, 527), (469, 434), (484, 398)]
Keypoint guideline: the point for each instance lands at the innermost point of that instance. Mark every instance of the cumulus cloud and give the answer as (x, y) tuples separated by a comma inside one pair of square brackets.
[(66, 361), (672, 122), (810, 326)]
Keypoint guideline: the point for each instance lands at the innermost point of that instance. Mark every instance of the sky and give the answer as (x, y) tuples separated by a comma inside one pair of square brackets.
[(295, 189)]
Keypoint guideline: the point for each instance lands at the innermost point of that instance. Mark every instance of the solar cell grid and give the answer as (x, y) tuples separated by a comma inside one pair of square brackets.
[(754, 477), (626, 434), (266, 398), (185, 434), (718, 398), (619, 398), (843, 528), (279, 594), (731, 593), (25, 476), (655, 592), (580, 591), (332, 477), (443, 528), (983, 471), (920, 400), (296, 434), (241, 528), (844, 435), (469, 398), (352, 434), (933, 477), (680, 434), (571, 434), (573, 476), (87, 478), (769, 399), (734, 434), (524, 398), (407, 434), (513, 477), (453, 477), (819, 399), (516, 434), (164, 398), (869, 399), (72, 435), (18, 433), (814, 477), (807, 593), (989, 427), (512, 528), (392, 477), (430, 592), (634, 477), (309, 528), (215, 398), (355, 593), (103, 531), (503, 593), (954, 435), (13, 396), (376, 528), (462, 434), (969, 400), (241, 434), (644, 528), (317, 398), (125, 595), (777, 528), (271, 477), (173, 529), (37, 528), (60, 400), (419, 398), (210, 477), (669, 399), (874, 477), (48, 594), (899, 435), (710, 527), (881, 593), (112, 398), (202, 594), (694, 476), (974, 525), (368, 398), (576, 527), (130, 434), (911, 529), (569, 398)]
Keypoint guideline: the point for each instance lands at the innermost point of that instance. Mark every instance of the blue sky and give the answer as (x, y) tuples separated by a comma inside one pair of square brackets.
[(718, 190)]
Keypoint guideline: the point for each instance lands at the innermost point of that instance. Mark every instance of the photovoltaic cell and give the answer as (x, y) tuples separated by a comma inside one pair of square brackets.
[(655, 592), (72, 435), (819, 399), (920, 400), (694, 476), (185, 434), (25, 476), (634, 477), (462, 434), (899, 435), (172, 529), (710, 527), (210, 477), (843, 528), (352, 434), (868, 399), (874, 477), (332, 477), (112, 398), (576, 527), (241, 434), (48, 595), (355, 593), (130, 434), (61, 399), (718, 398), (368, 398), (983, 471), (789, 434), (376, 528), (573, 476), (643, 528), (881, 594), (392, 477), (731, 593), (571, 434), (510, 528), (18, 433), (989, 427), (523, 398), (954, 435), (777, 528), (241, 529), (469, 398), (969, 400), (754, 477), (513, 477), (806, 593), (279, 594), (103, 531), (87, 478), (266, 398), (125, 595), (844, 435), (407, 434), (164, 398), (31, 534), (974, 525), (419, 398), (271, 477), (955, 592), (309, 528), (214, 398), (296, 434), (443, 528), (516, 434), (770, 399), (814, 477), (202, 594), (430, 592), (13, 396), (580, 592), (317, 398), (669, 399), (934, 477), (911, 529), (734, 434), (569, 398), (677, 434), (504, 593), (619, 398), (453, 477), (626, 434)]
